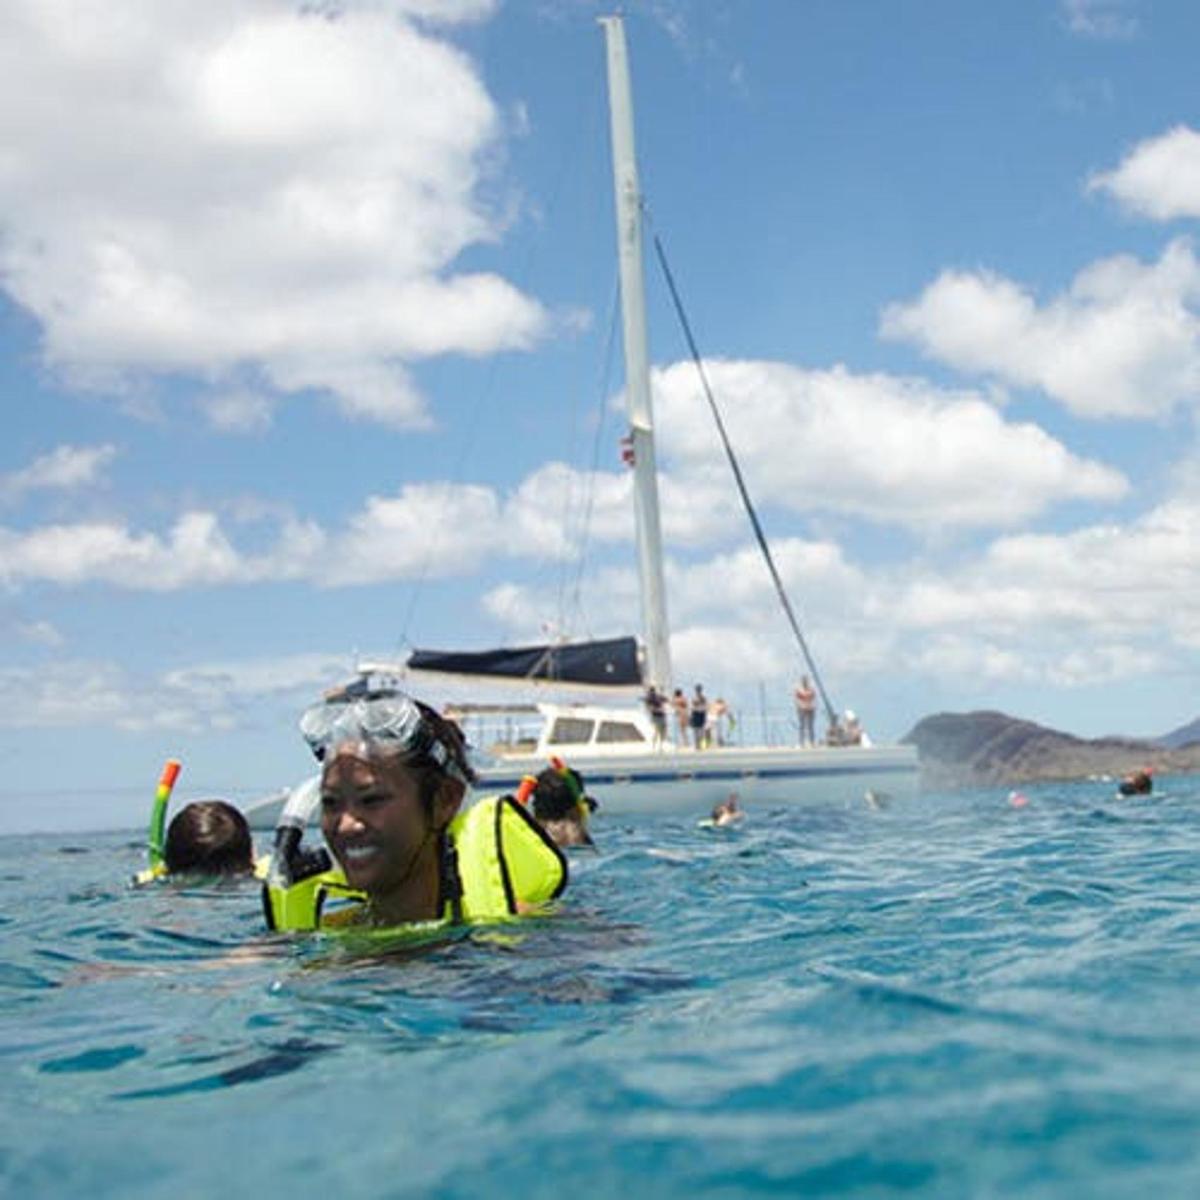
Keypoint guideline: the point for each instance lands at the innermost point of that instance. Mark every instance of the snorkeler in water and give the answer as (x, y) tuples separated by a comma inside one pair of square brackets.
[(206, 837), (563, 807), (1137, 783), (394, 776), (728, 811), (209, 837)]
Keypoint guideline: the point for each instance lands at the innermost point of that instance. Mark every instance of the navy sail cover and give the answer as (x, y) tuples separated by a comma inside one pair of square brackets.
[(611, 663)]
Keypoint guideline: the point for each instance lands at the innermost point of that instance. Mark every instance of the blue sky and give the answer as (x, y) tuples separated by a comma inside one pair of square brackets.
[(305, 354)]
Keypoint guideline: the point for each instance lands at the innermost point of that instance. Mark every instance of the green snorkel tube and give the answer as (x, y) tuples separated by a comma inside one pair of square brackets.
[(156, 838)]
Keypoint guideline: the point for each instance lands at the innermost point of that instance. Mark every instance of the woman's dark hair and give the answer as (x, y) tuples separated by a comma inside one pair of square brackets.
[(209, 837), (448, 733)]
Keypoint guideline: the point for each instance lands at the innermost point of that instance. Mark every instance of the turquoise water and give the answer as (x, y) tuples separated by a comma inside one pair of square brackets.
[(949, 997)]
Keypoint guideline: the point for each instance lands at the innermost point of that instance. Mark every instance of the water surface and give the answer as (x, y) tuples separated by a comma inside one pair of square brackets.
[(952, 996)]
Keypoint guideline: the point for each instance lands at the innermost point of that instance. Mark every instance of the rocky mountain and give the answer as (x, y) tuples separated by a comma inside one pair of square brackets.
[(1185, 735), (981, 749)]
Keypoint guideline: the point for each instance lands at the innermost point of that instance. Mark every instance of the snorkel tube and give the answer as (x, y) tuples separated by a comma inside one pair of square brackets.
[(156, 839), (289, 862)]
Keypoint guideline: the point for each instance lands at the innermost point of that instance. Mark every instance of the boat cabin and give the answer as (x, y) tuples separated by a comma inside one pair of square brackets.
[(564, 730)]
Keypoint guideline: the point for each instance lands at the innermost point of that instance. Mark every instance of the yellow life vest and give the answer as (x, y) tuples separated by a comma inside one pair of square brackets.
[(503, 859)]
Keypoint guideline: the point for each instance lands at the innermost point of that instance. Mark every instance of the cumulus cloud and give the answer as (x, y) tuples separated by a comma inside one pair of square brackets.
[(1086, 608), (252, 679), (202, 188), (1102, 19), (1159, 178), (895, 451), (1122, 341), (63, 468), (722, 610), (1097, 604), (194, 552), (206, 697), (42, 633), (426, 530), (239, 410)]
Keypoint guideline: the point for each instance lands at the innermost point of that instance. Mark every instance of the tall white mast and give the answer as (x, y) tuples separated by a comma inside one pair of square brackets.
[(637, 370)]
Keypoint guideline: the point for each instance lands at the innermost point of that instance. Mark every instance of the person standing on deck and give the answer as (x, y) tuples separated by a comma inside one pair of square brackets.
[(806, 711), (699, 716), (680, 705), (656, 706), (718, 715)]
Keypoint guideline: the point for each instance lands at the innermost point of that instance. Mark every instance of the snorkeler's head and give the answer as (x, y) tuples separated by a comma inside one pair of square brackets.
[(560, 795), (209, 837), (369, 720)]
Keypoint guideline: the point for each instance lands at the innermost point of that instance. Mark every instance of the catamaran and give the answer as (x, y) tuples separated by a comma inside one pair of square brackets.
[(624, 760)]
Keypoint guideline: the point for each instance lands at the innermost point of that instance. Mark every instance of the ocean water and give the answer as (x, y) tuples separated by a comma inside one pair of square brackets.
[(952, 996)]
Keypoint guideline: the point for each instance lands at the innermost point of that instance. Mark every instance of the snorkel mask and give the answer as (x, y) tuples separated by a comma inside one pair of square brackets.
[(369, 720)]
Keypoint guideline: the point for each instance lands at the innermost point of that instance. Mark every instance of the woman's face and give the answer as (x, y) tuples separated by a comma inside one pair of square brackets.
[(374, 822)]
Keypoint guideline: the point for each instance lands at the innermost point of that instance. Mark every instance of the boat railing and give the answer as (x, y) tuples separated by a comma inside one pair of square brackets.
[(501, 732), (517, 729)]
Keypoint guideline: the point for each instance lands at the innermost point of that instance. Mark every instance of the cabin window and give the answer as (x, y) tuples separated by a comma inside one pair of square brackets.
[(619, 731), (571, 731)]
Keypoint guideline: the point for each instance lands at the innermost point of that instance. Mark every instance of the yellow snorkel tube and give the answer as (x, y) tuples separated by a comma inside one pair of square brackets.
[(156, 837)]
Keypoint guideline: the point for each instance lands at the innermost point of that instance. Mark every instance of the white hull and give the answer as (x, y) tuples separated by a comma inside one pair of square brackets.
[(681, 782), (688, 781)]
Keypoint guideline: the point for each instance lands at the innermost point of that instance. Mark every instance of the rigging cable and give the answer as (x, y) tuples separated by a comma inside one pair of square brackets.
[(830, 712), (597, 441)]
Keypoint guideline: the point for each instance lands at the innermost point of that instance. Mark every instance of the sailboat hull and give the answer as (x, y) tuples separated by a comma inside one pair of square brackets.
[(676, 782), (687, 781)]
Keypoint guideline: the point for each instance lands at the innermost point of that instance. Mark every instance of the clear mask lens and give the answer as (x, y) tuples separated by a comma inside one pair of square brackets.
[(395, 720), (373, 724)]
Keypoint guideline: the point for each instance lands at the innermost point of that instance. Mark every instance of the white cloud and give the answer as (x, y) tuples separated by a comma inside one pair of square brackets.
[(239, 411), (444, 12), (1159, 178), (1102, 19), (195, 552), (739, 582), (205, 697), (43, 633), (289, 190), (894, 451), (431, 530), (250, 679), (1102, 604), (64, 467), (1123, 341), (66, 694)]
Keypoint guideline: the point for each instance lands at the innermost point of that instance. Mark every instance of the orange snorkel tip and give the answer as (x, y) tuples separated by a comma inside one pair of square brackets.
[(170, 773)]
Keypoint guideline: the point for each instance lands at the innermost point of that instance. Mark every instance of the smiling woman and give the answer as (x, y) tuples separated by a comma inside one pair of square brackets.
[(394, 777)]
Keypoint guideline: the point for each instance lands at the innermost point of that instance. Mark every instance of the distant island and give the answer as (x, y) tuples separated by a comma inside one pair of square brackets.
[(982, 749)]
